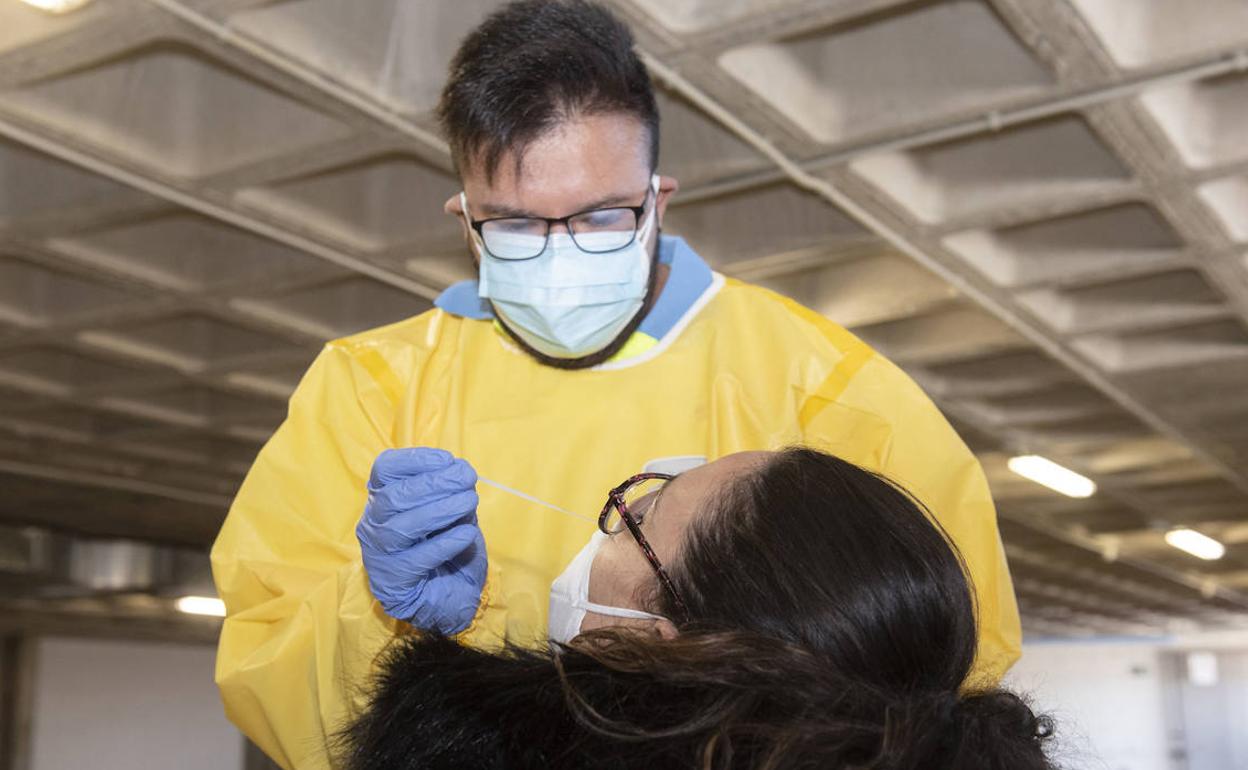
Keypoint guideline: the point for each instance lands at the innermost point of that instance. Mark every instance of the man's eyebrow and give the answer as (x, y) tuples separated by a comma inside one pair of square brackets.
[(492, 210), (489, 210)]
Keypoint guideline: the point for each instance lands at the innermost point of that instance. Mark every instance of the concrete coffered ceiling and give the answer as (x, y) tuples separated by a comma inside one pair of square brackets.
[(1038, 208)]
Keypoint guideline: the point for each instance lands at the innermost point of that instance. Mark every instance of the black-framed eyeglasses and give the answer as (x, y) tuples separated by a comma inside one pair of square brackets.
[(595, 231), (626, 507)]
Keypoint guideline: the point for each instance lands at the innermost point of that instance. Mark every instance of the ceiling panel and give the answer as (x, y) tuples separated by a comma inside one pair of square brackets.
[(185, 252), (373, 205), (1127, 237), (174, 110), (840, 83), (1143, 32), (396, 51), (1035, 163), (1203, 118)]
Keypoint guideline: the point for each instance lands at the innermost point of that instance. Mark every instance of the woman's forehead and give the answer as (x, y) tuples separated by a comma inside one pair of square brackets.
[(686, 492), (726, 467)]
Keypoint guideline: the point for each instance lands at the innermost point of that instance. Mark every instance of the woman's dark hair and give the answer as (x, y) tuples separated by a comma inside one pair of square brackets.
[(838, 560), (832, 626), (532, 64)]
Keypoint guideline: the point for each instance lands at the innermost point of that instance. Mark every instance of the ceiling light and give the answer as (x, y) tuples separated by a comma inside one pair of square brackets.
[(1052, 475), (201, 605), (1198, 545), (57, 6)]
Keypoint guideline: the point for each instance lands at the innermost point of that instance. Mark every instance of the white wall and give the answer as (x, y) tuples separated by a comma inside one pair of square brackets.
[(1215, 717), (1109, 701), (109, 705)]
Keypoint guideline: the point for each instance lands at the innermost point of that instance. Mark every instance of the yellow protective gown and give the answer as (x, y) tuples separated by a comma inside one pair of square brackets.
[(746, 369)]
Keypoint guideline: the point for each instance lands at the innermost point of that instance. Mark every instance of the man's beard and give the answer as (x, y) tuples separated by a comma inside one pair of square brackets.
[(615, 346)]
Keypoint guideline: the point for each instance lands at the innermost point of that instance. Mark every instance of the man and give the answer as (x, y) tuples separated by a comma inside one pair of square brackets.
[(590, 348)]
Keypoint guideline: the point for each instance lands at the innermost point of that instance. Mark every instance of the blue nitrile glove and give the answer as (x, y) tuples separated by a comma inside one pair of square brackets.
[(422, 548)]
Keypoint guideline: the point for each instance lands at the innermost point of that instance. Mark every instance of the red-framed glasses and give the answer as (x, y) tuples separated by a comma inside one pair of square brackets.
[(626, 507)]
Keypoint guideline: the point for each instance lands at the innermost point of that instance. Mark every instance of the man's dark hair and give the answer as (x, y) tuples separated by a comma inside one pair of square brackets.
[(531, 65)]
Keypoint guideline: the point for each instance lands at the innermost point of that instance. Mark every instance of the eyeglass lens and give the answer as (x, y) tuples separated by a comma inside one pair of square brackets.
[(638, 499), (596, 232)]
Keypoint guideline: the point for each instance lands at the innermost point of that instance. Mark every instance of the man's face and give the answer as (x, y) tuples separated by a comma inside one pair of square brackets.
[(586, 162)]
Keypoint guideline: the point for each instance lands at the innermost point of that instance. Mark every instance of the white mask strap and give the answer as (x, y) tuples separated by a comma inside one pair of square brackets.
[(618, 612), (644, 231), (472, 231)]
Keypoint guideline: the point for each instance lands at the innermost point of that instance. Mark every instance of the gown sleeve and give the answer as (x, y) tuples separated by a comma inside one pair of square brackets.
[(300, 621)]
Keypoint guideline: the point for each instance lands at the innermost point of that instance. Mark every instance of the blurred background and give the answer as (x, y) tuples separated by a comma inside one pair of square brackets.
[(1038, 208)]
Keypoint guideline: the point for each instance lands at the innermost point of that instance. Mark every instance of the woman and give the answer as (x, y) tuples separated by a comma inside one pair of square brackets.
[(768, 610)]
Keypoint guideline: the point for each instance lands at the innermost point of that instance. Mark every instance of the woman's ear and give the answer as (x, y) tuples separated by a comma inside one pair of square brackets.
[(665, 629)]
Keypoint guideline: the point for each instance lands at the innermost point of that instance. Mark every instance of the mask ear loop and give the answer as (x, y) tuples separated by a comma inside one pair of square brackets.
[(472, 232), (617, 612), (653, 215)]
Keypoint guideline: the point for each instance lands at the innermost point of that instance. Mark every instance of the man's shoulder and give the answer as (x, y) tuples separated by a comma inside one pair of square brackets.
[(782, 317), (417, 331), (741, 296)]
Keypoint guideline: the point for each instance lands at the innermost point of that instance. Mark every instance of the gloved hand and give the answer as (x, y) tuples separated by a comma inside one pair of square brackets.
[(422, 548)]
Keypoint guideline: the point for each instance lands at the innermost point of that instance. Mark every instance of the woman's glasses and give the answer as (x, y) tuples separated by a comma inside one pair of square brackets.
[(626, 507)]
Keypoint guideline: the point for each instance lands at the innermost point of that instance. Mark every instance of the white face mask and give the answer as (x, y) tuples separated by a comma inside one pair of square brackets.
[(569, 596), (566, 302)]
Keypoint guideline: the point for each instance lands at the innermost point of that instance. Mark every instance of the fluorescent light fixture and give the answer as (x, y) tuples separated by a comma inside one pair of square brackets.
[(57, 6), (1052, 475), (1198, 545), (202, 605)]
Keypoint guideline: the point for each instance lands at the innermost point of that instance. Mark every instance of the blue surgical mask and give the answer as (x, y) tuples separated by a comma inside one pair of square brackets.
[(566, 302)]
